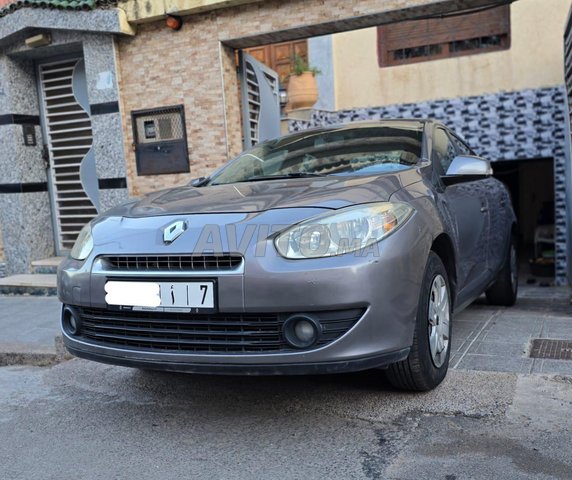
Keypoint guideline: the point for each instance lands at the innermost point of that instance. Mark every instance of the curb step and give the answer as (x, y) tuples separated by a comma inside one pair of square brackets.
[(46, 265), (9, 359), (29, 284), (39, 358)]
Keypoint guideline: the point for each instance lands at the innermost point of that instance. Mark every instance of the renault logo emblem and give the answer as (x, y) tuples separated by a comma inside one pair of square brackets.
[(174, 231)]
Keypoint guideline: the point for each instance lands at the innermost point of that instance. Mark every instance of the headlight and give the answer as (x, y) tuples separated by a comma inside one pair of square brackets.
[(83, 245), (346, 230)]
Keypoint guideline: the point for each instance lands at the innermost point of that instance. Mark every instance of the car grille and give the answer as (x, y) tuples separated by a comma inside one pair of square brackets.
[(207, 333), (181, 263)]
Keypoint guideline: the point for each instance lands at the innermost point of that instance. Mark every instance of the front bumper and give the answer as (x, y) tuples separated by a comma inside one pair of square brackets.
[(385, 286), (186, 365)]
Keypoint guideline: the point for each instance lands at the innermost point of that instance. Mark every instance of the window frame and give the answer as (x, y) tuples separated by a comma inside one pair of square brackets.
[(454, 136), (439, 166), (444, 38)]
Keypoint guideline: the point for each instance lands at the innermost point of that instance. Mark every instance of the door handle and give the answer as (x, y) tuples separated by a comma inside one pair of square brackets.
[(484, 209)]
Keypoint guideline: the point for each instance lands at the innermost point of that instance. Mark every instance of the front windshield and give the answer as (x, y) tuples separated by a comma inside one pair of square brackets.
[(345, 151)]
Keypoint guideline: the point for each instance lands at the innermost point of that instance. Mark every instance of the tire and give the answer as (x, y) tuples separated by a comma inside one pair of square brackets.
[(505, 289), (428, 360)]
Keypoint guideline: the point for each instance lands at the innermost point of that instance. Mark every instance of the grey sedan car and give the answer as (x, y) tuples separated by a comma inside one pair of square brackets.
[(331, 250)]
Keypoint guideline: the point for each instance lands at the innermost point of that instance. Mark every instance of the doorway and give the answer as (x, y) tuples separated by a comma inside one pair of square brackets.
[(68, 137), (531, 185)]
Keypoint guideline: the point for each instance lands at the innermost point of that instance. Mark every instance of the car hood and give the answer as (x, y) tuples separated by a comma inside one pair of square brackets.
[(320, 192)]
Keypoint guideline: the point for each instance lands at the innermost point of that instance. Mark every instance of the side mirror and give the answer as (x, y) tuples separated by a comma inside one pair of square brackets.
[(465, 168), (197, 182)]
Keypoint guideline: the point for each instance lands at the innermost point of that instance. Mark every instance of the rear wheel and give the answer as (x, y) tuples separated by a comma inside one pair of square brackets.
[(428, 360), (505, 289)]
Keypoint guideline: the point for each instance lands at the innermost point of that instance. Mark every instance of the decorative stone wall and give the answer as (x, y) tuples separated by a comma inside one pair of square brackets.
[(25, 211), (518, 125), (2, 261), (24, 217), (1, 246)]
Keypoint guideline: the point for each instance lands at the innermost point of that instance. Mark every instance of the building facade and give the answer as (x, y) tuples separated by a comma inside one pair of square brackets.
[(532, 59), (139, 89), (61, 157)]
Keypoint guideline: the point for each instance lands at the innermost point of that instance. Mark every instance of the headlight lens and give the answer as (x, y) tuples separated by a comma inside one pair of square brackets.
[(343, 231), (83, 245)]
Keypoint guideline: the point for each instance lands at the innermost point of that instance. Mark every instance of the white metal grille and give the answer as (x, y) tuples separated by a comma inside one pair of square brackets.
[(159, 125), (68, 127), (259, 92), (253, 108)]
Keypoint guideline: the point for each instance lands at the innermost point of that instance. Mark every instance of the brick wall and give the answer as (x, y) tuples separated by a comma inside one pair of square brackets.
[(195, 67), (160, 67)]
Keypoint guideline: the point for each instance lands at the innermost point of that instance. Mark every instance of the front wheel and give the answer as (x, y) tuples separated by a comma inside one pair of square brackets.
[(428, 360)]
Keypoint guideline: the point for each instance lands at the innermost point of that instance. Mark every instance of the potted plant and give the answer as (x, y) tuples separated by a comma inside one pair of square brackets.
[(302, 86)]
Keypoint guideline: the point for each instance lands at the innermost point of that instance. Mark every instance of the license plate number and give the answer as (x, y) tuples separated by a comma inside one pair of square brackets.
[(182, 296)]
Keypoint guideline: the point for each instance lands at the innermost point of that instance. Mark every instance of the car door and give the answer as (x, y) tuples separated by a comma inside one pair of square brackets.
[(467, 211), (498, 202)]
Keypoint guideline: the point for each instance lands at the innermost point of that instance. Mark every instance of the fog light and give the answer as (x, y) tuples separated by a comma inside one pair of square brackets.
[(305, 331), (301, 331), (70, 320)]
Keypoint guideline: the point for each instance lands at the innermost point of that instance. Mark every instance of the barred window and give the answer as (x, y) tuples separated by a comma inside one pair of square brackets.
[(422, 40)]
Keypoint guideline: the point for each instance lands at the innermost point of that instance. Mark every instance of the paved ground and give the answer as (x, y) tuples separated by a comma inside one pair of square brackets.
[(28, 323), (498, 339), (85, 420), (491, 418)]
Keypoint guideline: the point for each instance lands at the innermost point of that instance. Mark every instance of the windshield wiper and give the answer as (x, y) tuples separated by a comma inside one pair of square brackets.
[(258, 178), (282, 176)]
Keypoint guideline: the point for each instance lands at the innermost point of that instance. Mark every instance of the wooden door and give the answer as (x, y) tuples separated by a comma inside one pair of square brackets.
[(280, 56)]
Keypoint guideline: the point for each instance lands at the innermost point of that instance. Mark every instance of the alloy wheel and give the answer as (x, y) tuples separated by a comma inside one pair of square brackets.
[(439, 321)]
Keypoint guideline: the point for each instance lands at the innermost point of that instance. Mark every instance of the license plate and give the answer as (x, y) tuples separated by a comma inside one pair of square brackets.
[(180, 296)]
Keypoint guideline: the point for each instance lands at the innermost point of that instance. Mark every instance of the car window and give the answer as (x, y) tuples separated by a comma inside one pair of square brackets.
[(363, 150), (461, 147), (443, 151)]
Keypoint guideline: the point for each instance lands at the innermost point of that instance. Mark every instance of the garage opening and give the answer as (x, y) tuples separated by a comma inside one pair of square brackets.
[(531, 185)]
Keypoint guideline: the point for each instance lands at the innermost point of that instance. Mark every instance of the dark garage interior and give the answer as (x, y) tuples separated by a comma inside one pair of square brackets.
[(531, 185)]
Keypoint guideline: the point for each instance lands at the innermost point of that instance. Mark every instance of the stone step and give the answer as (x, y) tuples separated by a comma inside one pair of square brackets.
[(46, 265), (29, 284)]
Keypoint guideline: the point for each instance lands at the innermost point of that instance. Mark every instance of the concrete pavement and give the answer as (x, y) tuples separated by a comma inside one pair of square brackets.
[(86, 420), (491, 418), (496, 339), (28, 328)]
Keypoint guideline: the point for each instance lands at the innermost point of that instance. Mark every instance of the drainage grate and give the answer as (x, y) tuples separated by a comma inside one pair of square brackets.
[(552, 349)]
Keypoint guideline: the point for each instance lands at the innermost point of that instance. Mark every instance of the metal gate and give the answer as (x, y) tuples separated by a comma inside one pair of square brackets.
[(260, 90), (68, 132)]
